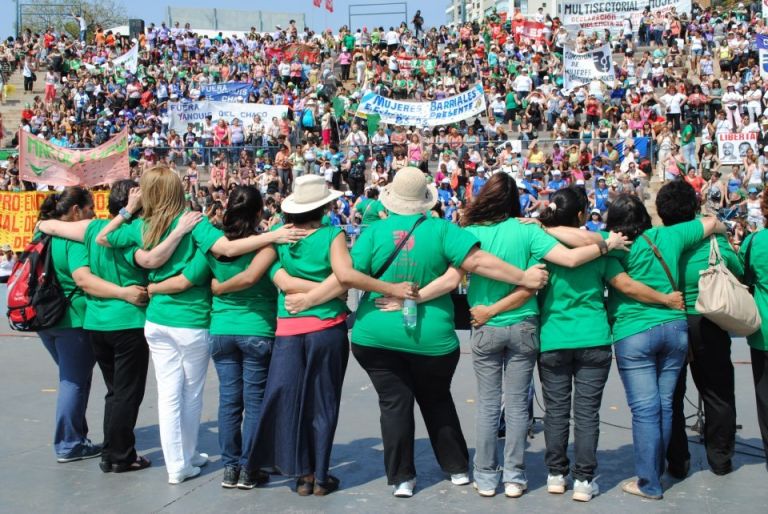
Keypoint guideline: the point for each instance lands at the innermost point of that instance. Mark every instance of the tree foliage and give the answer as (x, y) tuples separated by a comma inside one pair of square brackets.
[(57, 14)]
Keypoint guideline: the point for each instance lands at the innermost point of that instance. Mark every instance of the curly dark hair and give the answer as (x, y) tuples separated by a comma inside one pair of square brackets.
[(629, 216), (676, 202), (497, 201), (118, 196)]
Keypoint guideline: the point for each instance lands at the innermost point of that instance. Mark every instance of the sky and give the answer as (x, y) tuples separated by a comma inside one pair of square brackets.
[(433, 11)]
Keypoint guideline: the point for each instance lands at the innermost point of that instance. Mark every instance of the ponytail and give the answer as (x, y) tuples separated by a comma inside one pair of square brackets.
[(58, 205), (565, 206)]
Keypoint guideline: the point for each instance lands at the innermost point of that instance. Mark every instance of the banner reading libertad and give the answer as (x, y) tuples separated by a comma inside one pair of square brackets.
[(46, 163), (19, 211)]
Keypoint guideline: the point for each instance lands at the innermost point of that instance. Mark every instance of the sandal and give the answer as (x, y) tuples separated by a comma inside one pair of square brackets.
[(632, 487), (305, 486), (327, 487), (139, 464)]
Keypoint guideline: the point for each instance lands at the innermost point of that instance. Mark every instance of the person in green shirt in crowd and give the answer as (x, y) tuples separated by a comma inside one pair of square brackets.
[(177, 324), (242, 334), (506, 345), (688, 143), (576, 340), (709, 345), (68, 342), (756, 275), (116, 329), (651, 341), (369, 208), (415, 361)]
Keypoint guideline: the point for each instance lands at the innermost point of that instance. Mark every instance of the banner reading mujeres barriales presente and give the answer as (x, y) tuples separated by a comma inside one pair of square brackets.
[(182, 113), (582, 68), (426, 114), (596, 15), (43, 162)]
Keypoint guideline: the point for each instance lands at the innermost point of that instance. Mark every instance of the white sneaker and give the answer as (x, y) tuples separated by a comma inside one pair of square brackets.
[(199, 459), (405, 489), (460, 479), (177, 478), (514, 490), (583, 491), (487, 493), (555, 484)]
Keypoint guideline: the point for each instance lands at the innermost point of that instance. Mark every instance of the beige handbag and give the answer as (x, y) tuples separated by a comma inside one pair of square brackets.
[(723, 299)]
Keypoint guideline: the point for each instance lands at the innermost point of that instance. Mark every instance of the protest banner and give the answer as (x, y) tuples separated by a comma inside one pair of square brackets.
[(762, 52), (129, 60), (597, 15), (305, 53), (528, 30), (426, 114), (19, 212), (582, 68), (233, 92), (732, 146), (45, 163), (182, 113)]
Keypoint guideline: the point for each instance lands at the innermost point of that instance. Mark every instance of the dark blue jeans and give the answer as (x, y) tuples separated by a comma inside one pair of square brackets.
[(649, 364), (71, 350), (242, 363)]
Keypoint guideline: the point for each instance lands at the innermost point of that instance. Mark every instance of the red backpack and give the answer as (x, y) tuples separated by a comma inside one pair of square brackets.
[(36, 300)]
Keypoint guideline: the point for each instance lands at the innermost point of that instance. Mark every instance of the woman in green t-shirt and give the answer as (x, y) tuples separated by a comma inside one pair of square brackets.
[(756, 273), (177, 326), (242, 333), (576, 352), (67, 342), (505, 348), (414, 361), (651, 341)]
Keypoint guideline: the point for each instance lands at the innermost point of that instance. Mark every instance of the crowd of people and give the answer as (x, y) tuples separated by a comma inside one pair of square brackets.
[(258, 284)]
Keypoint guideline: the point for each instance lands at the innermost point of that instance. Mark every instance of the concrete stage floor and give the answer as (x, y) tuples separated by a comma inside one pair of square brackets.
[(32, 481)]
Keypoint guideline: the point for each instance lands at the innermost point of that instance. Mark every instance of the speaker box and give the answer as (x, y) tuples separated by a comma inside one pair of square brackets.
[(135, 28)]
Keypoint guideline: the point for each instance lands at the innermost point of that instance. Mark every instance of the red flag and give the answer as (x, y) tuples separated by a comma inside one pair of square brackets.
[(317, 3), (329, 5)]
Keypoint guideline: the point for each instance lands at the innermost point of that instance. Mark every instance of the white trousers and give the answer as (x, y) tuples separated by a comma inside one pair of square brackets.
[(180, 357)]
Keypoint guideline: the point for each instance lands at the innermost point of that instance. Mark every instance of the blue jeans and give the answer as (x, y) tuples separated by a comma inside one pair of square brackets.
[(503, 358), (71, 350), (649, 364), (689, 152), (242, 363)]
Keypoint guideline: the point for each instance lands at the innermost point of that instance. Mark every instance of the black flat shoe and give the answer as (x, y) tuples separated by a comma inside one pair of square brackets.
[(139, 464), (304, 487)]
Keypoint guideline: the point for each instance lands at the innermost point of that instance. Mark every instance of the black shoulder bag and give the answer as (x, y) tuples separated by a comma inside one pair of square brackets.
[(379, 272)]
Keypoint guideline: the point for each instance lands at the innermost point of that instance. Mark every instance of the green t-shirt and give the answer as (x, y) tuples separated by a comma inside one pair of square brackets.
[(687, 135), (758, 263), (349, 42), (251, 312), (69, 256), (310, 259), (518, 244), (190, 308), (369, 210), (631, 316), (113, 265), (433, 247), (697, 259), (573, 314)]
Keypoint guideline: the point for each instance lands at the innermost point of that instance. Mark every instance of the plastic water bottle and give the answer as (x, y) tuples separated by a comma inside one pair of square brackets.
[(409, 313)]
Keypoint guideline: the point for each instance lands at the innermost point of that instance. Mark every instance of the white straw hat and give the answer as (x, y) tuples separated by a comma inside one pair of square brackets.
[(309, 193), (409, 193)]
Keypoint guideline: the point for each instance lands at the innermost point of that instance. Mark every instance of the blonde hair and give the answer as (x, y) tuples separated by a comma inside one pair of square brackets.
[(162, 198)]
